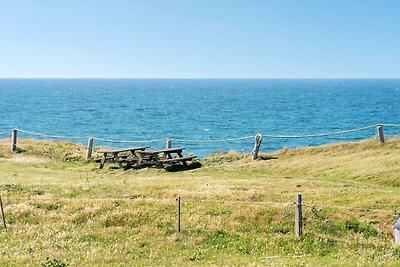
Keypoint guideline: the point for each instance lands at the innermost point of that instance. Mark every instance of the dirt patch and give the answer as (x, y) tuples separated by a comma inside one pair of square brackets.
[(26, 159)]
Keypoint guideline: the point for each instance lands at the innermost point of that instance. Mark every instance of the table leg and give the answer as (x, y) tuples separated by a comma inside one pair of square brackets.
[(140, 159), (158, 162), (117, 160), (103, 161), (183, 161), (128, 165)]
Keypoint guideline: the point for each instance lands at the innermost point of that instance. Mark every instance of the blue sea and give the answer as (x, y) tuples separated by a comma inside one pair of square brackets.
[(200, 109)]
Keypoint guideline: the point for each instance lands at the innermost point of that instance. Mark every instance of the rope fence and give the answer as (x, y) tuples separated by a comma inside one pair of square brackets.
[(51, 136), (5, 132), (391, 125), (128, 141), (320, 135), (213, 141), (258, 138)]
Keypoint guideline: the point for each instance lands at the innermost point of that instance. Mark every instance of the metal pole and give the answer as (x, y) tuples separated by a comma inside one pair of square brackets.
[(2, 214), (179, 214)]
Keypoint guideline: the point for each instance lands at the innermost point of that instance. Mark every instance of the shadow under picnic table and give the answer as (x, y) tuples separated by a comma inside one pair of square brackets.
[(180, 167)]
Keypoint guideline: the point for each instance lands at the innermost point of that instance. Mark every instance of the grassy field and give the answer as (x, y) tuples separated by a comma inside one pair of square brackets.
[(234, 211)]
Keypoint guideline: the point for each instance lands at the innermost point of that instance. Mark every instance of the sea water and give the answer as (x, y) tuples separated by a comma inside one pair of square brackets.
[(200, 109)]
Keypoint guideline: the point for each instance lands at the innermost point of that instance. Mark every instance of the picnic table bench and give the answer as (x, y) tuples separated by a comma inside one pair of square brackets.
[(116, 156), (161, 156)]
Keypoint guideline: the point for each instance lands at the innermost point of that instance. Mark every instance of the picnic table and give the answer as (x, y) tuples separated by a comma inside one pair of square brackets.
[(119, 156), (162, 156)]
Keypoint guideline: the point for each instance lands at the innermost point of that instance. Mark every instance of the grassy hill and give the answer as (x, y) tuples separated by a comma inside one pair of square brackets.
[(234, 211)]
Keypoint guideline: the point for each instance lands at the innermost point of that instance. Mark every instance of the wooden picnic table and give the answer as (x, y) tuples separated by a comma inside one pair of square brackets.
[(161, 156), (114, 155)]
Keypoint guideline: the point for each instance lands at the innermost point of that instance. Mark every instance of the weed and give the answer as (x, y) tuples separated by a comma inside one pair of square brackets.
[(218, 240), (12, 187), (53, 263)]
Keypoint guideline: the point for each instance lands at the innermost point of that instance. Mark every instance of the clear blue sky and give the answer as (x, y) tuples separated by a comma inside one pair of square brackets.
[(199, 39)]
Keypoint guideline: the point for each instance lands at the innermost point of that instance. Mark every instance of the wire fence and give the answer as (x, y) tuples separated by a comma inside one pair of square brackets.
[(202, 219), (313, 208), (194, 200)]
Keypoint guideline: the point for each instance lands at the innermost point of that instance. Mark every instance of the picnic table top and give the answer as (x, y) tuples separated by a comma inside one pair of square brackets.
[(166, 150), (123, 149)]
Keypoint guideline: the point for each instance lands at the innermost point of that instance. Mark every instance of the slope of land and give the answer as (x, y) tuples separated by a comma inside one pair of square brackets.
[(234, 211)]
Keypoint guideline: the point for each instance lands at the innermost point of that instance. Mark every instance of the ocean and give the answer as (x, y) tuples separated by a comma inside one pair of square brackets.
[(200, 109)]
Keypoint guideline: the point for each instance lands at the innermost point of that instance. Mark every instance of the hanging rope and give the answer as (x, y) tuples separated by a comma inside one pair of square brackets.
[(320, 135), (128, 141), (5, 132), (391, 125), (52, 136), (213, 141)]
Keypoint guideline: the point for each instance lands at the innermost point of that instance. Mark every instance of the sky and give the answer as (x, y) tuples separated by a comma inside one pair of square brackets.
[(200, 39)]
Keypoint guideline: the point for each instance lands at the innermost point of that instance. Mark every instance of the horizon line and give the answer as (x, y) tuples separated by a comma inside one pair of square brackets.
[(209, 78)]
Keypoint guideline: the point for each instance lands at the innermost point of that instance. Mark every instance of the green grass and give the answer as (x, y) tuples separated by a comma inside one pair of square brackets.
[(61, 209)]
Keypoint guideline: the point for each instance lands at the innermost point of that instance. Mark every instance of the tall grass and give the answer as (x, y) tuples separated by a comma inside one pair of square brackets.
[(61, 209)]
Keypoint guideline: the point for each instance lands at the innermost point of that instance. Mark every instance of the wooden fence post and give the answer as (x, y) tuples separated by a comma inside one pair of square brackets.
[(396, 232), (257, 144), (381, 137), (179, 214), (14, 140), (89, 148), (2, 214), (168, 143), (298, 216)]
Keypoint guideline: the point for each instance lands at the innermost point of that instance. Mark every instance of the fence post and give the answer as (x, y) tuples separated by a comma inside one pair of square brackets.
[(381, 137), (298, 216), (89, 148), (257, 144), (2, 214), (14, 140), (168, 143), (396, 232), (179, 214)]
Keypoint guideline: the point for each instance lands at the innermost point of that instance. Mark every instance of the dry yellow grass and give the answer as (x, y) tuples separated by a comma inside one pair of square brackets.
[(59, 206)]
